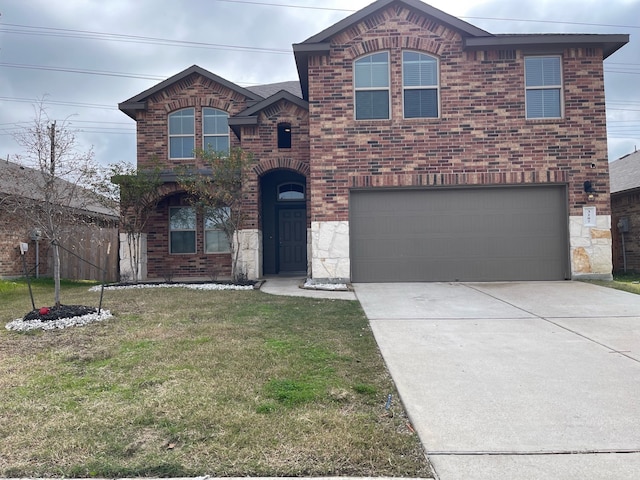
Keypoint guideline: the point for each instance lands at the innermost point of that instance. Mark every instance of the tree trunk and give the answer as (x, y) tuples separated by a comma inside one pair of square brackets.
[(56, 273)]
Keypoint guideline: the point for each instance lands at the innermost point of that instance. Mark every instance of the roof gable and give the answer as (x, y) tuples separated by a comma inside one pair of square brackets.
[(464, 28), (250, 115), (139, 102), (473, 37)]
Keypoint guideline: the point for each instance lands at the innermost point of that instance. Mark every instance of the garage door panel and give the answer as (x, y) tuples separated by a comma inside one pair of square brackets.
[(466, 234)]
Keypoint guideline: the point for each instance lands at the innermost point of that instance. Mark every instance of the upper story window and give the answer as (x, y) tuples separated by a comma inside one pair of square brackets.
[(182, 133), (371, 81), (215, 130), (420, 85), (290, 192), (284, 135), (543, 84)]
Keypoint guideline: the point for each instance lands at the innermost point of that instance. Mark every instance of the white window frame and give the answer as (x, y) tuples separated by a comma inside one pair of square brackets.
[(194, 230), (181, 135), (559, 87), (206, 135), (210, 224), (386, 88), (435, 87), (280, 192)]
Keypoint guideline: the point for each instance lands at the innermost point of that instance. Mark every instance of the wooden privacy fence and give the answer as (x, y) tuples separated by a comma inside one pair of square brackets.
[(86, 253)]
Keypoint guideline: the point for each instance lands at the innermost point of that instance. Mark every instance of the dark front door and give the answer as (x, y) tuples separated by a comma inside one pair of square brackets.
[(292, 232)]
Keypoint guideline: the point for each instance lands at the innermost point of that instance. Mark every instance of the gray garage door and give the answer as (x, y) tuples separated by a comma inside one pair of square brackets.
[(459, 234)]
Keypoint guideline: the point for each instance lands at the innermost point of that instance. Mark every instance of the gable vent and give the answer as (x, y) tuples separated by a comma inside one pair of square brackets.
[(506, 54)]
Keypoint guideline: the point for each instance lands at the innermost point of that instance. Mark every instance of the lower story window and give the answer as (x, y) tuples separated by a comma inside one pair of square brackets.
[(215, 238), (182, 230)]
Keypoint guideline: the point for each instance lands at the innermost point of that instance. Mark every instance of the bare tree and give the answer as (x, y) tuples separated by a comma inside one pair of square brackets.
[(51, 196), (138, 193), (218, 189)]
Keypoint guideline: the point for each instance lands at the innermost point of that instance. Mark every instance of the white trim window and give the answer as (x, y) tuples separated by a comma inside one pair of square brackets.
[(215, 239), (182, 230), (420, 85), (543, 85), (291, 192), (371, 82), (215, 130), (182, 133)]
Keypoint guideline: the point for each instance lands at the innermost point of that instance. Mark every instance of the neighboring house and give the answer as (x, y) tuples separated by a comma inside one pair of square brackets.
[(625, 212), (415, 147), (88, 238)]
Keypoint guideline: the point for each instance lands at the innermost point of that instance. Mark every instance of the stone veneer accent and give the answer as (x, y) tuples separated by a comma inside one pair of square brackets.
[(590, 248), (125, 265), (330, 251), (250, 255)]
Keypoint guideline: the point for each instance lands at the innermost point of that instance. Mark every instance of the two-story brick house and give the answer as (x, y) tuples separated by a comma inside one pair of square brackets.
[(415, 147)]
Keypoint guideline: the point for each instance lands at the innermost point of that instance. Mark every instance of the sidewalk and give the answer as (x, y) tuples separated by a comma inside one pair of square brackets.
[(292, 287)]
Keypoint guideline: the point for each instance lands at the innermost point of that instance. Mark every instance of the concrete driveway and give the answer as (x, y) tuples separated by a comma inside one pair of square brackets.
[(523, 380)]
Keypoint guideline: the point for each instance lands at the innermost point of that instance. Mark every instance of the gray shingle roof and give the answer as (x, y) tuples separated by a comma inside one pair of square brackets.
[(624, 173), (23, 181), (265, 91)]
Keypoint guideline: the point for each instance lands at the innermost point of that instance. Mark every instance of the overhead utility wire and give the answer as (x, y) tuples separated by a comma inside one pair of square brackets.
[(269, 4), (83, 71), (55, 102), (65, 32)]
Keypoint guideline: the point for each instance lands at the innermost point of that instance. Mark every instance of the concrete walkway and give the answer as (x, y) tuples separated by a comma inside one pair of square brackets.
[(526, 381), (292, 286)]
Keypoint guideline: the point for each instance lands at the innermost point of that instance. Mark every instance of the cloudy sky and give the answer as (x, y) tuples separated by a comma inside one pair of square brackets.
[(85, 56)]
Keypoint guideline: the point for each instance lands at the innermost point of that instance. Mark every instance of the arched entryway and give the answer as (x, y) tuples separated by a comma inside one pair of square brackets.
[(284, 222)]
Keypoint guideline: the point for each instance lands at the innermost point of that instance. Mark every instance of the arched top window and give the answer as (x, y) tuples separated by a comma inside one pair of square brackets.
[(215, 130), (420, 80), (182, 133), (290, 192), (371, 83)]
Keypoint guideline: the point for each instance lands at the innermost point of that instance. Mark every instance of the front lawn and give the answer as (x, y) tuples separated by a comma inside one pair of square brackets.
[(629, 282), (187, 383)]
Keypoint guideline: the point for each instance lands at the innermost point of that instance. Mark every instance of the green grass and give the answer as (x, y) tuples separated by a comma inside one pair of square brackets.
[(187, 383), (628, 282)]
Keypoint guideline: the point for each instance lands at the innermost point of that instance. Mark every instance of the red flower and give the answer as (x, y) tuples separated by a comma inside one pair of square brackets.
[(44, 310)]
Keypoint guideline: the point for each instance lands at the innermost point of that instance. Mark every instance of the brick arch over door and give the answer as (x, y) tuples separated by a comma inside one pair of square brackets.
[(266, 166)]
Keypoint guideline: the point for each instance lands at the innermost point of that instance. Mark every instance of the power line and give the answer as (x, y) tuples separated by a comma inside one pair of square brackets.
[(54, 102), (271, 4), (82, 71), (308, 7), (88, 34)]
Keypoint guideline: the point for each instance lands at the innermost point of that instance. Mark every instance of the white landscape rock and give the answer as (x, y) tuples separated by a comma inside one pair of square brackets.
[(192, 286), (20, 325)]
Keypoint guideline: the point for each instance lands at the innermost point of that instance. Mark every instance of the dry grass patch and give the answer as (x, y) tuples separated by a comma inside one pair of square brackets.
[(188, 383)]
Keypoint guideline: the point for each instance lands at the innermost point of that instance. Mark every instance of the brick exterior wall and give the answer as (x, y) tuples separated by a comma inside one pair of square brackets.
[(13, 231), (161, 265), (261, 141), (626, 205), (193, 91), (482, 135)]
